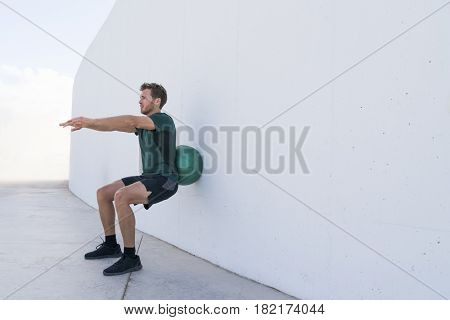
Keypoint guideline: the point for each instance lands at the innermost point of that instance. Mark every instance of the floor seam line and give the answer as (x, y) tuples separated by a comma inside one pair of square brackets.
[(129, 275)]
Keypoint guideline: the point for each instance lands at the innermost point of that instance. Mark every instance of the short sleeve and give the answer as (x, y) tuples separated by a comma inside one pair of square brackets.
[(162, 121)]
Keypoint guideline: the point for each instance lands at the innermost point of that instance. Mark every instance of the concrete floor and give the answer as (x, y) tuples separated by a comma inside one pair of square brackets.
[(46, 231)]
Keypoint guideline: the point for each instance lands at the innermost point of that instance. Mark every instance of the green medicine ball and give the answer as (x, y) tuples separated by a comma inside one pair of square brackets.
[(189, 163)]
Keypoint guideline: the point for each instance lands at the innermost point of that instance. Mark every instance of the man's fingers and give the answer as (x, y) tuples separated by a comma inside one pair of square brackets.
[(65, 124), (69, 122), (74, 122)]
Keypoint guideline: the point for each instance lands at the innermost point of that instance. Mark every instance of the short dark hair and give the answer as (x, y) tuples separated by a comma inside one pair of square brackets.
[(156, 91)]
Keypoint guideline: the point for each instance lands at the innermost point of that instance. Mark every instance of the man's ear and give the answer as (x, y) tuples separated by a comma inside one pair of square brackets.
[(158, 101)]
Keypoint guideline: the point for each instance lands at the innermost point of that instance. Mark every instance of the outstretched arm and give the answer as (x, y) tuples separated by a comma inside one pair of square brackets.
[(120, 123)]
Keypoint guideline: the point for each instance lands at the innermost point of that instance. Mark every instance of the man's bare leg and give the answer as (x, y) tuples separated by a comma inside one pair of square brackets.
[(132, 194), (127, 223), (107, 215), (109, 248), (105, 197), (129, 261), (135, 193)]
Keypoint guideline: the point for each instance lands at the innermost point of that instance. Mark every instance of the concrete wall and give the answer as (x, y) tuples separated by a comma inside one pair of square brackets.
[(369, 218)]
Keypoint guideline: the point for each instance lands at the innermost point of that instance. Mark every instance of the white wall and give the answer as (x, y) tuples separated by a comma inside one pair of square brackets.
[(370, 220)]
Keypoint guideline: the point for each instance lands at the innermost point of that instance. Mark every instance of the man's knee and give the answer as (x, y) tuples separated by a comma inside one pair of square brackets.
[(107, 193), (121, 196), (102, 194)]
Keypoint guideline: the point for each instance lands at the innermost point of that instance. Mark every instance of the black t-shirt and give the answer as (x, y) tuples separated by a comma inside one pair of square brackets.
[(158, 147)]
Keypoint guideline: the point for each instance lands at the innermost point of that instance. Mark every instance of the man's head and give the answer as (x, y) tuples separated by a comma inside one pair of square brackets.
[(153, 98)]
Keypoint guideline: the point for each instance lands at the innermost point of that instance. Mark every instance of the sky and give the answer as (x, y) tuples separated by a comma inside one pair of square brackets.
[(36, 79)]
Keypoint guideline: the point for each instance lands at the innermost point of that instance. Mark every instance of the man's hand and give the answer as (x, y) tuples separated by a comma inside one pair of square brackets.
[(77, 123)]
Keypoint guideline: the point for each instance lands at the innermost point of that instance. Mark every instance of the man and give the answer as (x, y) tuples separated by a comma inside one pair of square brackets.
[(158, 182)]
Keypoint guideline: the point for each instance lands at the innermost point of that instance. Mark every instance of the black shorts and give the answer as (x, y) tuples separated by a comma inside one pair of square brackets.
[(160, 186)]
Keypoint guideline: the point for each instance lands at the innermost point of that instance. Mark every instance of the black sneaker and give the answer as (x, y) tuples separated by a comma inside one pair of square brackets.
[(124, 265), (104, 251)]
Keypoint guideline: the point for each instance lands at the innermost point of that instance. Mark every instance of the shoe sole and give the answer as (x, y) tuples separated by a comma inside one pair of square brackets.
[(116, 255), (137, 268)]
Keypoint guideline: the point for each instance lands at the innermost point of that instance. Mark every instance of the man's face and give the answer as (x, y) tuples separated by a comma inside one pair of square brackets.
[(146, 102)]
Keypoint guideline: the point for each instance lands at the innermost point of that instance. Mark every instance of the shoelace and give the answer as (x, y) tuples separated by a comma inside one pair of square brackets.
[(101, 244)]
